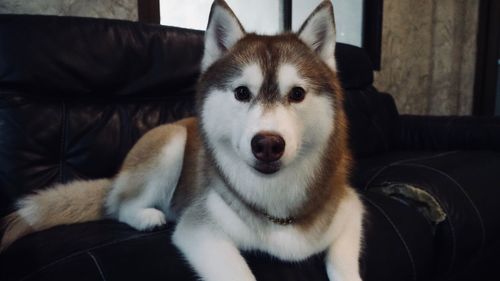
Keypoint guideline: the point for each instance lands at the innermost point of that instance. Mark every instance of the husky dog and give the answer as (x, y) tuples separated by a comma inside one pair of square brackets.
[(263, 166)]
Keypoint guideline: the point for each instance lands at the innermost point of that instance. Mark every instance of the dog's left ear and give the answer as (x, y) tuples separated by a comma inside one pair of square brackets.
[(223, 31), (318, 31)]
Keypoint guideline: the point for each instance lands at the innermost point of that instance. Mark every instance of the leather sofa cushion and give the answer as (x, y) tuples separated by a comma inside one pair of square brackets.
[(373, 122), (107, 250), (465, 183)]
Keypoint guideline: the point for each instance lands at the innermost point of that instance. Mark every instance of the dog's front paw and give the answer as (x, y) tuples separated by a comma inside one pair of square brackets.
[(334, 275), (150, 218), (346, 278), (144, 219)]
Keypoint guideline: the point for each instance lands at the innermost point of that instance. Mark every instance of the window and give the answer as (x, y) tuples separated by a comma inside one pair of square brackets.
[(358, 22), (262, 16)]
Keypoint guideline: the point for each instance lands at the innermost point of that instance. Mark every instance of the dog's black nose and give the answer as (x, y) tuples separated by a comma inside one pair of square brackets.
[(268, 147)]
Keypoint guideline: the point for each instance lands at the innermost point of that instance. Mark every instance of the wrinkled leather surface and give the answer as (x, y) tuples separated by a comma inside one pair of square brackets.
[(70, 58), (465, 185), (75, 94), (373, 121)]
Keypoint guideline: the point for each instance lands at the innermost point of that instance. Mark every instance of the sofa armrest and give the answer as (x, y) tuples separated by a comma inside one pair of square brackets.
[(449, 132)]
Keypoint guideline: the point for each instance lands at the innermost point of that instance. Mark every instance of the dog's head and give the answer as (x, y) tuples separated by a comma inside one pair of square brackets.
[(268, 102)]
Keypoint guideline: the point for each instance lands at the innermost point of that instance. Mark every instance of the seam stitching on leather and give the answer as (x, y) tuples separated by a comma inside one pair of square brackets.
[(30, 275), (97, 265), (408, 251), (476, 210), (404, 161)]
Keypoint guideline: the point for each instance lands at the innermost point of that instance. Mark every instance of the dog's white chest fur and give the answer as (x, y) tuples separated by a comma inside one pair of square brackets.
[(286, 242)]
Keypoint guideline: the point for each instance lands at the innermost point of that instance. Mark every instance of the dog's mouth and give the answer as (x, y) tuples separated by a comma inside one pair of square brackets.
[(267, 168)]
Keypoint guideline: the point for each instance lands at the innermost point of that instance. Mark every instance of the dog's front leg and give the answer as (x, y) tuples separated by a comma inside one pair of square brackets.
[(342, 260), (212, 255)]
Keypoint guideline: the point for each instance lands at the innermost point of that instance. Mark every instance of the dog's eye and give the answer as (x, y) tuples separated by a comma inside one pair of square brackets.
[(242, 93), (297, 94)]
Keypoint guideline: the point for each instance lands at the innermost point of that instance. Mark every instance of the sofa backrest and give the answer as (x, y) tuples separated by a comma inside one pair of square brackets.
[(76, 93), (373, 117)]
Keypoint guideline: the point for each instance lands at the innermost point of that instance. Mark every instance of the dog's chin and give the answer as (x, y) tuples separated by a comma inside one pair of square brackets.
[(267, 168)]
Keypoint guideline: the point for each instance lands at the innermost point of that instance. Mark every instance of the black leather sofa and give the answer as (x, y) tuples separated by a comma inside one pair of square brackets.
[(75, 94)]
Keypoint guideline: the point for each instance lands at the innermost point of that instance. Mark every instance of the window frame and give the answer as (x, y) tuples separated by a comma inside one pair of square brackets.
[(148, 11), (487, 55)]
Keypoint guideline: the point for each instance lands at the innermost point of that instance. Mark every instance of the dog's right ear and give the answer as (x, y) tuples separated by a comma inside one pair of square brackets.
[(223, 30)]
